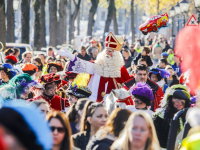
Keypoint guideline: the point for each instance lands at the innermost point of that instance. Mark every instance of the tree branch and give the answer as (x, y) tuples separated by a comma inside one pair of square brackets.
[(74, 2)]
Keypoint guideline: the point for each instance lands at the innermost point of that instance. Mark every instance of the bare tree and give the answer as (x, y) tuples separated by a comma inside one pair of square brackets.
[(10, 22), (53, 23), (72, 19), (42, 24), (109, 16), (2, 23), (115, 25), (25, 17), (62, 22), (132, 21), (37, 24), (91, 20), (78, 23)]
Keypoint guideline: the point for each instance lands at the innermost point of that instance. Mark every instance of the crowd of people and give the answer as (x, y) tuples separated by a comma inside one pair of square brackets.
[(108, 95)]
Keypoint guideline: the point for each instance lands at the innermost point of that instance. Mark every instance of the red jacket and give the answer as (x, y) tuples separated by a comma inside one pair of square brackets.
[(56, 103), (157, 91)]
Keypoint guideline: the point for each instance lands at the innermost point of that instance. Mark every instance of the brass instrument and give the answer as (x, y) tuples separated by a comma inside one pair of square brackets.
[(2, 46)]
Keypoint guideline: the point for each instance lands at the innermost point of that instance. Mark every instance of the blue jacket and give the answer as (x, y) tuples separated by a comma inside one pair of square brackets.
[(177, 69)]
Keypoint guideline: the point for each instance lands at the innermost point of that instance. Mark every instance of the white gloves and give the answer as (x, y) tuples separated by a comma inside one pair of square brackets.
[(66, 53)]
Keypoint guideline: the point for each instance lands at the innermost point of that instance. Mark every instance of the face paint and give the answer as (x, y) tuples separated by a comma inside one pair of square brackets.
[(179, 104)]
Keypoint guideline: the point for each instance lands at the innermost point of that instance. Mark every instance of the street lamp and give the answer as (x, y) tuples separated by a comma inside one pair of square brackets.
[(178, 12), (197, 5), (184, 5), (15, 4), (172, 14)]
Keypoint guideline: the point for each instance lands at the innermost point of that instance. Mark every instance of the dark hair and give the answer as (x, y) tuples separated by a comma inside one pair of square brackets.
[(88, 111), (73, 112), (67, 141), (16, 50), (117, 121), (42, 55), (146, 49), (48, 58), (141, 59), (141, 67), (39, 61), (30, 72), (15, 123), (10, 61), (25, 54), (83, 47), (170, 111), (164, 61), (49, 48), (8, 51)]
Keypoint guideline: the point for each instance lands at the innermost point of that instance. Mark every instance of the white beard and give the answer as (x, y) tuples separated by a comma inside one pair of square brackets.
[(107, 66)]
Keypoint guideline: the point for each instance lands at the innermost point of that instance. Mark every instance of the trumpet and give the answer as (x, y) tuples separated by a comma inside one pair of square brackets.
[(2, 46)]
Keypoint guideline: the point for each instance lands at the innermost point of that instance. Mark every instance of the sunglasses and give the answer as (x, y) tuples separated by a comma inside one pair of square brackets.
[(132, 47), (59, 129)]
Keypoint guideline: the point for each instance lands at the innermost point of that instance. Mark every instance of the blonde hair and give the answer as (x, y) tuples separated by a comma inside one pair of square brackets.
[(122, 143)]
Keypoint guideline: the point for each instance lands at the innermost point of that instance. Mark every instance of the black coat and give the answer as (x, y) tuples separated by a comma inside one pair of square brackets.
[(86, 57), (174, 81), (81, 139), (147, 58), (128, 62)]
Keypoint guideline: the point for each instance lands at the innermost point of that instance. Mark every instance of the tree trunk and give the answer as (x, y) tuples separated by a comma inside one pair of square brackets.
[(37, 23), (10, 36), (73, 17), (115, 25), (158, 7), (132, 21), (70, 19), (91, 20), (61, 23), (53, 23), (42, 24), (2, 23), (109, 17), (25, 17), (65, 22), (78, 23)]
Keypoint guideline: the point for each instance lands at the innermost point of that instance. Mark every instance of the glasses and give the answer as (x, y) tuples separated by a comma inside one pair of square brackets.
[(59, 129), (132, 47)]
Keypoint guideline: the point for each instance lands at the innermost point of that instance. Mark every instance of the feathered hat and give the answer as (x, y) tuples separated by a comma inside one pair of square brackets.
[(161, 73), (79, 86), (58, 66), (177, 91), (8, 69), (49, 78), (143, 92)]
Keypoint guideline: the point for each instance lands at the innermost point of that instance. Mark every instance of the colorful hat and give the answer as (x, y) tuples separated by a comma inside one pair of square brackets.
[(27, 124), (49, 78), (93, 41), (58, 66), (143, 92), (11, 58), (8, 69), (111, 42), (177, 91), (79, 87), (29, 68), (165, 54), (161, 73), (17, 86), (70, 75)]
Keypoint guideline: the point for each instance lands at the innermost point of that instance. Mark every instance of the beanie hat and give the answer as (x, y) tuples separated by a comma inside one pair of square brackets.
[(26, 124), (143, 92), (8, 69), (29, 68), (11, 58)]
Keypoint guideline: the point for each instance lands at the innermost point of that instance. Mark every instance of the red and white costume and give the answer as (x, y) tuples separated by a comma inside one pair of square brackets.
[(105, 76)]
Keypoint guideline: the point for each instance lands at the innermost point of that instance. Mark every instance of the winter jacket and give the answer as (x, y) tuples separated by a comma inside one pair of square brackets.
[(170, 59), (177, 69), (174, 81), (101, 142), (134, 54), (167, 47), (86, 57), (81, 139), (147, 58), (157, 91), (138, 50), (128, 62)]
